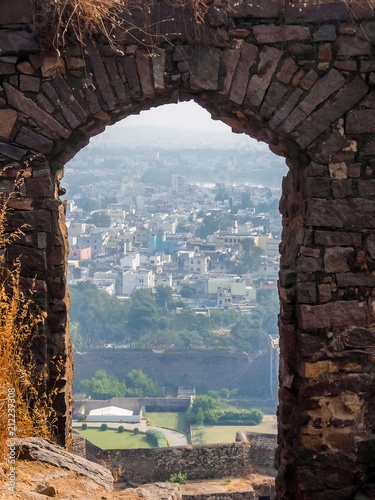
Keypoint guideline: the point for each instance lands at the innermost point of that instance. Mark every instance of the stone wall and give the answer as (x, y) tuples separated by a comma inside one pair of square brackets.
[(299, 76), (198, 462), (211, 369)]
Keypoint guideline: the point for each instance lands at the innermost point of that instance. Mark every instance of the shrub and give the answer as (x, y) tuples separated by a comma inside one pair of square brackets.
[(234, 417), (121, 428), (103, 427), (156, 438), (135, 430), (179, 477), (84, 427)]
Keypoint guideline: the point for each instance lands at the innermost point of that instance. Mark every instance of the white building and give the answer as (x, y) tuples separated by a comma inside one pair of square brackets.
[(113, 414), (198, 264), (141, 278), (131, 260)]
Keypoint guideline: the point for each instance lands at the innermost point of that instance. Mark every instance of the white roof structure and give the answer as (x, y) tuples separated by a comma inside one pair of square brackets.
[(111, 411)]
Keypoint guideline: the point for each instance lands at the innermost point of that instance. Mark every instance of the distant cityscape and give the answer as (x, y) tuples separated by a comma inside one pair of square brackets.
[(135, 222)]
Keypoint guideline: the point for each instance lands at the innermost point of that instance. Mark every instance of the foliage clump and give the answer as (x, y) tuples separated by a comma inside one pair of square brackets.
[(156, 438), (178, 477)]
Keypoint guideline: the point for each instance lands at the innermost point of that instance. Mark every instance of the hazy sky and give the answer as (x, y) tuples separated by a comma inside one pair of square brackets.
[(193, 126), (185, 115)]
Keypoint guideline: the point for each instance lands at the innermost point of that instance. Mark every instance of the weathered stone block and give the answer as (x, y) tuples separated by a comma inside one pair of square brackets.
[(17, 42), (360, 121), (241, 77), (306, 293), (336, 259), (269, 58), (36, 220), (355, 279), (272, 33), (29, 83), (28, 107), (341, 213), (314, 370), (316, 12), (366, 187), (317, 187), (39, 187), (205, 69), (349, 46), (256, 8), (32, 260), (326, 33), (331, 111), (342, 188), (331, 315), (34, 141), (308, 265), (144, 71), (325, 87)]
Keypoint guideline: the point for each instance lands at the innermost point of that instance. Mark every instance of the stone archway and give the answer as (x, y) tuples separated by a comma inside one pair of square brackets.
[(301, 78)]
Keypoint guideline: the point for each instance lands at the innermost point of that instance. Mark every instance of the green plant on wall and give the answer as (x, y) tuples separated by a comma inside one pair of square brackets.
[(179, 477)]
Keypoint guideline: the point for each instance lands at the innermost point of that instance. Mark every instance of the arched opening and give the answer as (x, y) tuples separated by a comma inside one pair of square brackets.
[(180, 177), (300, 79)]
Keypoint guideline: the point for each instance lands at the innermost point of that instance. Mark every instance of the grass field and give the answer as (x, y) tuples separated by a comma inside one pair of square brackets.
[(227, 433), (169, 420), (112, 440)]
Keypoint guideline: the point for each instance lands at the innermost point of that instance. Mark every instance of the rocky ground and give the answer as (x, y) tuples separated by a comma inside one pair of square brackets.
[(44, 470)]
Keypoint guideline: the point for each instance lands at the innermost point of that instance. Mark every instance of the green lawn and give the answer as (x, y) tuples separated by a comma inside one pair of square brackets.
[(169, 420), (113, 440), (227, 433)]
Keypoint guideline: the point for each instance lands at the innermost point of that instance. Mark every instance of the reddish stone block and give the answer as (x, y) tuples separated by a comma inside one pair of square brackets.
[(325, 52), (205, 69), (66, 93), (287, 71), (239, 33), (332, 315), (271, 33), (308, 265), (370, 245), (35, 220), (345, 65)]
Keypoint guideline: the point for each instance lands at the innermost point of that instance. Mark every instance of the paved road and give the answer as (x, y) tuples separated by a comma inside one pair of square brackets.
[(175, 438)]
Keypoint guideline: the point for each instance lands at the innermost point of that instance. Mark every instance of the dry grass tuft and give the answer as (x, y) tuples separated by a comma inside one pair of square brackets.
[(61, 22), (20, 384)]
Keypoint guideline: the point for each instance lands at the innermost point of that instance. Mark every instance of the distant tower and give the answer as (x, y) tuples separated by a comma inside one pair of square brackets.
[(178, 183)]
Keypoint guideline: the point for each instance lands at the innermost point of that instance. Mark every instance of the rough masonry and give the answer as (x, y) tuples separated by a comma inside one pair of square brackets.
[(298, 76)]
